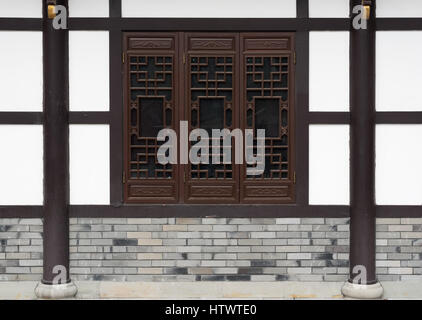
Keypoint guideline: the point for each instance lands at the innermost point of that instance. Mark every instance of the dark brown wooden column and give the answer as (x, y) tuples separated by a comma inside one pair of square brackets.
[(362, 150), (56, 149)]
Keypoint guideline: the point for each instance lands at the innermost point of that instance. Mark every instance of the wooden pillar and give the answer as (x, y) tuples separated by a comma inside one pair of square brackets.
[(56, 281), (362, 282)]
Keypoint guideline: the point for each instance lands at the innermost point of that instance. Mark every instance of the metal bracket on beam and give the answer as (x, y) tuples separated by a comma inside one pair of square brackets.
[(367, 4), (51, 9)]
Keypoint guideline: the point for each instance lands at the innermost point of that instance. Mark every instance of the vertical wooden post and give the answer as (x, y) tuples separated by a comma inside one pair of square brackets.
[(362, 282), (56, 281)]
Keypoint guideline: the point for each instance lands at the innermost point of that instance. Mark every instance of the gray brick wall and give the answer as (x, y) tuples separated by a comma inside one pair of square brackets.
[(399, 248), (209, 249), (20, 249)]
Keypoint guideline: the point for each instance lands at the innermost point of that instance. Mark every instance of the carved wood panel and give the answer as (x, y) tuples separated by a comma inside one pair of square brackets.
[(151, 99), (268, 103), (211, 75)]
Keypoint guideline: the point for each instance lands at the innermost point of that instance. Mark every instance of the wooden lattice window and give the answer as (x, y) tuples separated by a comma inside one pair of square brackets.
[(267, 103), (212, 81)]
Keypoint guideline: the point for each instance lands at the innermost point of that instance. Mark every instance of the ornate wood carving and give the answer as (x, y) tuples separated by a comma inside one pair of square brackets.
[(151, 191), (274, 44), (151, 43), (206, 44), (216, 191), (273, 191)]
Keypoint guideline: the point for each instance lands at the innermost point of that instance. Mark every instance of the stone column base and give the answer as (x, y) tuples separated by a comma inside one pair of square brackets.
[(56, 291), (362, 291)]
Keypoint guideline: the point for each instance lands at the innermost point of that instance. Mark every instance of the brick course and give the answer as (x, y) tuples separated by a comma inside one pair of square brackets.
[(20, 249), (210, 249)]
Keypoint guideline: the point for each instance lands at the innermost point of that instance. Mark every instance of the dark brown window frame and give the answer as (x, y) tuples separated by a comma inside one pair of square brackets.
[(301, 25), (176, 51)]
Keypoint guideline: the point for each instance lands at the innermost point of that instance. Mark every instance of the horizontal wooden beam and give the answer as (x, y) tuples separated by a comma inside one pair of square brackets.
[(89, 117), (313, 117), (400, 24), (20, 24), (93, 23), (21, 117), (332, 24), (208, 24), (21, 212), (329, 117), (399, 118), (225, 211), (399, 211), (211, 24)]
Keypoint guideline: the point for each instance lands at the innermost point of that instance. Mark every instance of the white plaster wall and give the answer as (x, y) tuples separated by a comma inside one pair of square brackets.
[(399, 164), (21, 165), (329, 71), (249, 8), (21, 9), (21, 79), (89, 78), (402, 8), (329, 8), (329, 165), (88, 8), (399, 70), (89, 164), (210, 9)]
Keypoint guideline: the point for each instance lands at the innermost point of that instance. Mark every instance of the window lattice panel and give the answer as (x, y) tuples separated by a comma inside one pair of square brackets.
[(267, 89), (151, 109), (211, 107)]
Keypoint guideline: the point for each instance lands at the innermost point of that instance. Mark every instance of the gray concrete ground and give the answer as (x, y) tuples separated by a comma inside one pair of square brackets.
[(210, 290)]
